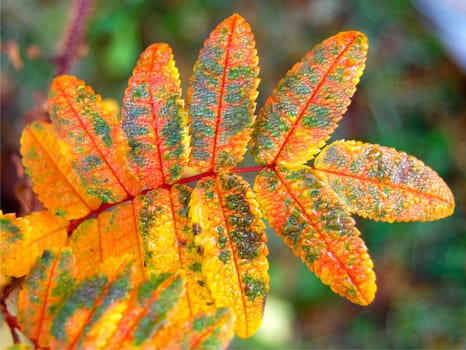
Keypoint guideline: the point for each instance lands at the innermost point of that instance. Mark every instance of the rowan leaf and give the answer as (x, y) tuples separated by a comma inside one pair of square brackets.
[(381, 183), (49, 282), (304, 109), (221, 96), (49, 168), (315, 224), (154, 120), (229, 230), (24, 239), (88, 301), (92, 137)]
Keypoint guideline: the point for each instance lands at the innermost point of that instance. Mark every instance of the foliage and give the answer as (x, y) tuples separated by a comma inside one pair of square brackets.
[(138, 232)]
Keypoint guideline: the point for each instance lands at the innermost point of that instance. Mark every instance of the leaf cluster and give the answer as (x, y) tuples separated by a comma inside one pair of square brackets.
[(128, 255)]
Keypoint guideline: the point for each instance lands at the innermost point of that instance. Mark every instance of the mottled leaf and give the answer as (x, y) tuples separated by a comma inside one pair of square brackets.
[(24, 239), (17, 255), (315, 224), (88, 301), (304, 109), (231, 236), (207, 331), (381, 183), (92, 136), (221, 96), (49, 282), (49, 168), (138, 319), (154, 120)]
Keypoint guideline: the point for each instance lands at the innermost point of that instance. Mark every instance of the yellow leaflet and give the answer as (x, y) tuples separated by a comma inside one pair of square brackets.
[(231, 236)]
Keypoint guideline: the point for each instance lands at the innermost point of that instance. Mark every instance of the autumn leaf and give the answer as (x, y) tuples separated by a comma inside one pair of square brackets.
[(315, 224), (231, 236), (49, 168), (154, 119), (221, 96), (304, 109), (47, 285), (381, 183), (24, 239), (91, 134)]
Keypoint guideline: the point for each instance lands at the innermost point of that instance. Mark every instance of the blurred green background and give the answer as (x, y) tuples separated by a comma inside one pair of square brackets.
[(412, 97)]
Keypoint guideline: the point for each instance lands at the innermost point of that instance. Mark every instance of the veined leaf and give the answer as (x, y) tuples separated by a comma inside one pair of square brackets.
[(209, 331), (157, 230), (24, 239), (304, 109), (198, 298), (138, 319), (231, 236), (381, 183), (91, 134), (88, 301), (314, 223), (112, 233), (49, 282), (154, 119), (221, 96), (49, 168)]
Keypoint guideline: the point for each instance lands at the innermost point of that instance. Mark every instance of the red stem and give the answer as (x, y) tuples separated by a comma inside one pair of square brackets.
[(79, 12), (10, 320)]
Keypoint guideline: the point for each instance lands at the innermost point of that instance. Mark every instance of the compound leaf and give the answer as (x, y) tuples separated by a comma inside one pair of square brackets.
[(304, 109), (315, 224), (154, 120), (49, 282), (49, 168), (92, 136), (229, 230), (381, 183), (221, 96)]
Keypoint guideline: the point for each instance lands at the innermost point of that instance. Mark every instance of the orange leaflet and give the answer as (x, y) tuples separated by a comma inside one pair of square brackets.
[(24, 239), (154, 120), (92, 137), (221, 96), (49, 169), (314, 223), (304, 109), (381, 183)]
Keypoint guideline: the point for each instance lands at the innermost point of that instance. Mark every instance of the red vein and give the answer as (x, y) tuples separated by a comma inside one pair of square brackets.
[(321, 235), (40, 319), (83, 127), (388, 184), (309, 101), (203, 336), (222, 92), (95, 305), (155, 120), (47, 154), (142, 312), (234, 255)]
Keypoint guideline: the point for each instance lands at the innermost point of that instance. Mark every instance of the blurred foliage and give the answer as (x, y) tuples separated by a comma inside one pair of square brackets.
[(412, 97)]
